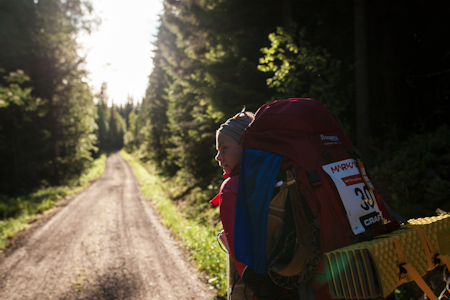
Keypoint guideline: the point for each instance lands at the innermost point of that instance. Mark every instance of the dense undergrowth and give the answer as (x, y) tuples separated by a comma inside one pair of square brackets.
[(413, 175), (17, 212), (196, 230)]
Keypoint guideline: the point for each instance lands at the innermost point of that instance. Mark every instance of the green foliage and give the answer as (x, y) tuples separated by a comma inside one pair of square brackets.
[(408, 291), (117, 129), (197, 237), (153, 134), (302, 70), (16, 212), (203, 73), (117, 126), (19, 110), (46, 110), (130, 137), (416, 172), (14, 94), (102, 119), (195, 206)]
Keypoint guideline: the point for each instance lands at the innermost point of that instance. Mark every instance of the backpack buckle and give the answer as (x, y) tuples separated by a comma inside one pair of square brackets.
[(315, 179)]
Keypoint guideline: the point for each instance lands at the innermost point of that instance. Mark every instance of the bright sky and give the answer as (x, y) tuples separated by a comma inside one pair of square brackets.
[(119, 52)]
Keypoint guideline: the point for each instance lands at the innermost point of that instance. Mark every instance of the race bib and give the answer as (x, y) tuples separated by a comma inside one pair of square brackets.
[(359, 201)]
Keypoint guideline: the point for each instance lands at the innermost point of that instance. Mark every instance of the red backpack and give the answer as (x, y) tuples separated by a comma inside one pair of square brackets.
[(338, 200)]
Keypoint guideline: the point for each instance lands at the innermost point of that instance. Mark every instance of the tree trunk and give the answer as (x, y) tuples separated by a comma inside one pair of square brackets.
[(361, 74)]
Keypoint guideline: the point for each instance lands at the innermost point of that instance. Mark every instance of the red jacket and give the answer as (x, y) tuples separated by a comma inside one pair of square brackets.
[(227, 202)]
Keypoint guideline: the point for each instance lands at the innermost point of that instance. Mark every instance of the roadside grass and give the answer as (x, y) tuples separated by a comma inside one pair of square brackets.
[(199, 239), (17, 212)]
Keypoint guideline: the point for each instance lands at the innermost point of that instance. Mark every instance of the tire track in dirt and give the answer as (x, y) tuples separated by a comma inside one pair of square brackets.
[(107, 243)]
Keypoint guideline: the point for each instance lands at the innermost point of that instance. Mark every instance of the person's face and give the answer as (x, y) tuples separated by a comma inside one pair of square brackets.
[(228, 152)]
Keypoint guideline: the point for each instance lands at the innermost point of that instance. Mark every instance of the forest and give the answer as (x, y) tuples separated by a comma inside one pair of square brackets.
[(381, 67)]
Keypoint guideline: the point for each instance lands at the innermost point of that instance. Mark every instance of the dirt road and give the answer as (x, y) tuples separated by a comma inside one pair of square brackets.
[(107, 243)]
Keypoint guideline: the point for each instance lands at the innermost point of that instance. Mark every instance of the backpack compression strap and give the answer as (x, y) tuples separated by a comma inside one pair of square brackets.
[(430, 253), (304, 235)]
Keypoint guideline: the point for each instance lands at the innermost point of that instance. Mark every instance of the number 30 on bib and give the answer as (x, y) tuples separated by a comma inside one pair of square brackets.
[(359, 201)]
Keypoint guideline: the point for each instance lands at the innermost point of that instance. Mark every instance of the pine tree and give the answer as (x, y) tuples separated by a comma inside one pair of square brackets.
[(102, 120)]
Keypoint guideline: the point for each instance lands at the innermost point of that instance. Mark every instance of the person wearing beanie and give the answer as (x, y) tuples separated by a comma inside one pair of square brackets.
[(229, 151), (228, 137)]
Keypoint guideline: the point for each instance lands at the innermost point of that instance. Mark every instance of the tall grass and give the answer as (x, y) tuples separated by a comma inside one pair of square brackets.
[(199, 239), (16, 212)]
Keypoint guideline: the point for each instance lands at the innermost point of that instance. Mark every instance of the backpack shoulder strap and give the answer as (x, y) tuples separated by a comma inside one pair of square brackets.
[(304, 235), (307, 246)]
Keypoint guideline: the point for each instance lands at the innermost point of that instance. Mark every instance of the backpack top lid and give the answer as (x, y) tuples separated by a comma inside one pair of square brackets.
[(297, 114), (295, 126)]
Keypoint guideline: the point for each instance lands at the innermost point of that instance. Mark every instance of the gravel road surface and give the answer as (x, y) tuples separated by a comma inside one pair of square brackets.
[(107, 243)]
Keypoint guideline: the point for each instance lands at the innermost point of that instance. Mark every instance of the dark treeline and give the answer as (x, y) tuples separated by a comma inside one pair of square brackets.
[(214, 57), (46, 107), (116, 124)]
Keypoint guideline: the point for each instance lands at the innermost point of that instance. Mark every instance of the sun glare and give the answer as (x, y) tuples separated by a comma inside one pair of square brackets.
[(119, 52)]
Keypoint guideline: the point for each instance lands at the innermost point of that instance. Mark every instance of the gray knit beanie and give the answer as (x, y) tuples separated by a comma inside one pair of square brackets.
[(235, 126)]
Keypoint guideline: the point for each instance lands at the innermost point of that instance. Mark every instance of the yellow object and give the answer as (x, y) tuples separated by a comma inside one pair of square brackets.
[(377, 267)]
